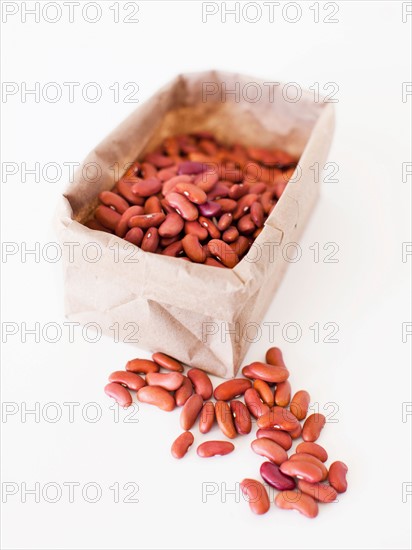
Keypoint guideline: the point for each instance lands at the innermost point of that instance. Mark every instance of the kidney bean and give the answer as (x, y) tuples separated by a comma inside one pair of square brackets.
[(154, 395), (201, 382), (170, 184), (238, 190), (223, 252), (246, 225), (146, 221), (194, 228), (150, 240), (147, 187), (94, 224), (244, 204), (218, 191), (225, 419), (142, 366), (227, 206), (302, 469), (256, 495), (108, 198), (258, 188), (267, 201), (167, 173), (209, 209), (318, 491), (193, 249), (296, 432), (207, 417), (241, 417), (268, 373), (271, 473), (264, 392), (172, 225), (210, 227), (125, 189), (119, 394), (296, 500), (130, 380), (282, 394), (190, 411), (181, 444), (274, 357), (224, 221), (213, 448), (254, 404), (134, 236), (167, 362), (313, 449), (170, 381), (257, 214), (213, 262), (107, 217), (278, 436), (240, 246), (122, 226), (300, 404), (279, 418), (173, 249), (226, 391), (190, 167), (313, 460), (183, 206), (230, 235), (207, 180), (268, 448), (337, 476), (183, 393), (192, 192), (153, 205), (313, 426)]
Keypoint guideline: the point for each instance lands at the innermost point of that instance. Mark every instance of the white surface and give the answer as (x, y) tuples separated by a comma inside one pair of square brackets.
[(366, 374)]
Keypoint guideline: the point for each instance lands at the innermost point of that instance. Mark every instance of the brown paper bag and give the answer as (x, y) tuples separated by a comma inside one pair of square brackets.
[(198, 314)]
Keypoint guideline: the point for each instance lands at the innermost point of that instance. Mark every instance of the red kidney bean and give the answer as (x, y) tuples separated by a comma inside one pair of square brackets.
[(280, 437), (150, 241), (152, 205), (130, 380), (296, 500), (167, 173), (254, 403), (264, 392), (282, 394), (210, 227), (224, 221), (154, 395), (107, 217), (192, 192), (302, 469), (271, 473), (246, 225), (218, 191), (142, 366), (170, 184), (190, 167), (279, 418), (313, 449), (167, 362), (213, 448), (183, 206), (170, 381), (122, 226), (147, 187), (268, 448), (223, 253), (256, 495), (213, 262), (119, 393), (225, 419), (194, 228), (240, 246), (134, 236), (125, 189), (313, 460), (181, 444), (230, 235), (300, 404), (201, 382), (94, 224), (337, 476), (190, 411), (268, 373), (172, 225), (258, 188), (267, 201), (318, 491), (241, 417), (209, 209), (184, 392), (193, 249), (226, 391), (160, 161), (244, 204), (148, 170), (207, 180), (238, 190), (116, 201), (207, 417), (313, 426), (145, 221), (227, 206), (173, 249), (257, 214)]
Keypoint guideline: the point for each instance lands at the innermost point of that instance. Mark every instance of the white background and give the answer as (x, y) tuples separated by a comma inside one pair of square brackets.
[(366, 375)]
